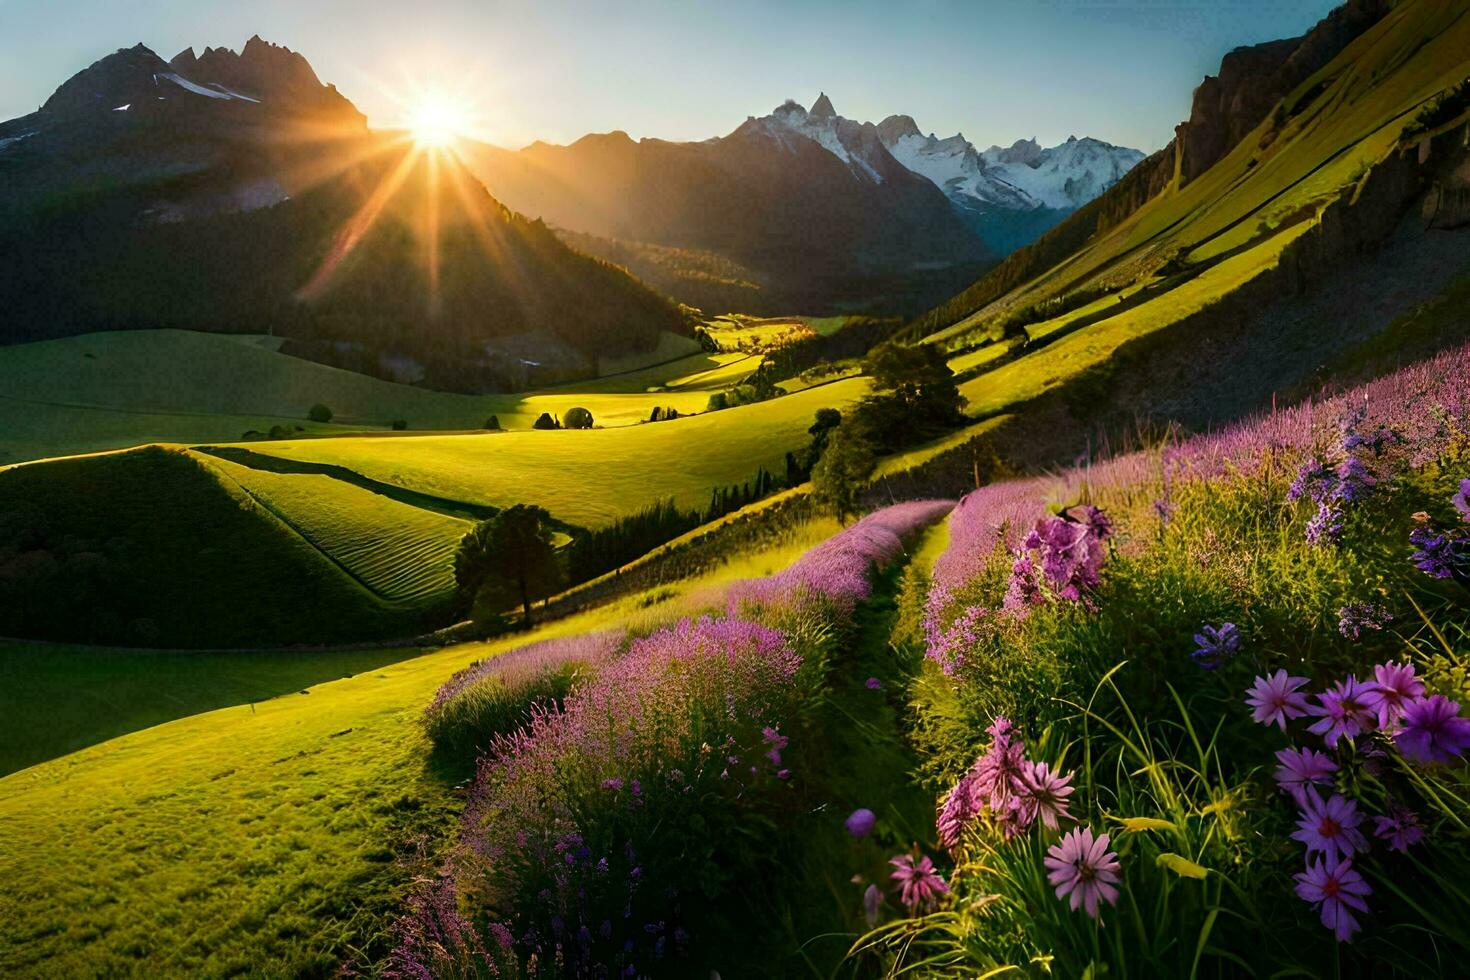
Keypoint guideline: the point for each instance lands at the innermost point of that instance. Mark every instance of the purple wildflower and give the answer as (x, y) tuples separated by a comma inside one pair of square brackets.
[(919, 885), (1330, 826), (1301, 768), (872, 904), (1338, 888), (777, 742), (1461, 500), (873, 684), (860, 823), (1276, 698), (1325, 527), (1344, 710), (1310, 481), (1216, 645), (1439, 555), (1401, 828), (1394, 686), (1433, 730), (1356, 617), (613, 784), (1045, 793), (1082, 866)]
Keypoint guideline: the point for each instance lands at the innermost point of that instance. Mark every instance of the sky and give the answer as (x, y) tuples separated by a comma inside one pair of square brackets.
[(996, 70)]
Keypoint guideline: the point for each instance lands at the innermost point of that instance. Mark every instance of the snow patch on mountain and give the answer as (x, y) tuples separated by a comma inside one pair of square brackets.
[(823, 126)]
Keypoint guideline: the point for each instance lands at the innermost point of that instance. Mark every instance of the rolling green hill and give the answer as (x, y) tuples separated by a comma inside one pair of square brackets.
[(114, 390)]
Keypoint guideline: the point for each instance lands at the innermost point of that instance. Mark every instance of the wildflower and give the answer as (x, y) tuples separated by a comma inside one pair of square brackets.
[(1330, 826), (1301, 768), (872, 904), (1432, 730), (1325, 527), (1082, 866), (919, 884), (873, 683), (1401, 828), (1045, 793), (960, 807), (1439, 555), (777, 742), (1164, 510), (1461, 500), (1338, 888), (860, 822), (1310, 480), (613, 784), (1394, 685), (997, 773), (1354, 618), (1216, 645), (783, 773), (1275, 699), (1354, 482), (1344, 710)]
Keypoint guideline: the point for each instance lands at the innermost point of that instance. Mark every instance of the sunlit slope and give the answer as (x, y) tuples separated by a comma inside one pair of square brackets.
[(113, 390), (260, 838), (590, 477), (1192, 245), (400, 552)]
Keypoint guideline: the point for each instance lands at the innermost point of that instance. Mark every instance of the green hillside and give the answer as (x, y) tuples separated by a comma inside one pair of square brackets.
[(114, 390), (1296, 179)]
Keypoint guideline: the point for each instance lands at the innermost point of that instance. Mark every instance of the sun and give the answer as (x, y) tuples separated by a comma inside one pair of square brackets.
[(436, 121)]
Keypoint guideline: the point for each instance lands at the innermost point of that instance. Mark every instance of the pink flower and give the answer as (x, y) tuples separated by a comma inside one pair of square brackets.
[(1046, 794), (1082, 866), (960, 807), (1339, 889), (1394, 687), (1330, 826), (1275, 699), (1433, 730), (1344, 709), (919, 885), (1401, 828), (1301, 768)]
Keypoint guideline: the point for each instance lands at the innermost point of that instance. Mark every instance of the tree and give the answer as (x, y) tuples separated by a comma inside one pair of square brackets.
[(578, 418), (546, 421), (320, 413), (916, 396), (493, 423), (842, 472), (508, 556)]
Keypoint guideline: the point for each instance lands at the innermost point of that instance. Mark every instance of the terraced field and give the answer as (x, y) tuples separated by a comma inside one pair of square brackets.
[(401, 552)]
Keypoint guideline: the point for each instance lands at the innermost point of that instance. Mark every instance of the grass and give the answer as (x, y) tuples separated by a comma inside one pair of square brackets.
[(400, 552), (184, 560), (259, 838), (696, 372), (592, 477), (113, 390)]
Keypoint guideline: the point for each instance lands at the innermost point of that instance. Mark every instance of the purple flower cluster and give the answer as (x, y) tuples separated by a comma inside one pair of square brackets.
[(1356, 617), (949, 646), (1059, 559), (525, 663), (838, 568), (1331, 824), (1005, 789), (1440, 554)]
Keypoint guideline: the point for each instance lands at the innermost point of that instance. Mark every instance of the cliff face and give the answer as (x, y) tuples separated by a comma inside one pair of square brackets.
[(1252, 79), (1226, 108)]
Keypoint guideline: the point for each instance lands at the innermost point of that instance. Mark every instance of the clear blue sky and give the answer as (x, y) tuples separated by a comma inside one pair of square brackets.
[(998, 70)]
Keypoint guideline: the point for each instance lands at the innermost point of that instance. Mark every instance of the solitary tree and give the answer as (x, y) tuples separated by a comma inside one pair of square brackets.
[(546, 421), (578, 418), (508, 557), (843, 471), (319, 413), (493, 423)]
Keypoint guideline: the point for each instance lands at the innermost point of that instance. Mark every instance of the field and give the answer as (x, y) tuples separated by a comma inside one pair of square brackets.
[(591, 477), (274, 821), (114, 390)]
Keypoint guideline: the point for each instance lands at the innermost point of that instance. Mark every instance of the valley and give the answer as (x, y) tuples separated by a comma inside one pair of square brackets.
[(818, 549)]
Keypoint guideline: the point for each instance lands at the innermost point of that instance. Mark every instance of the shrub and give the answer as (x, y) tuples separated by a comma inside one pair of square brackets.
[(578, 418), (320, 413), (546, 421), (399, 425), (493, 423)]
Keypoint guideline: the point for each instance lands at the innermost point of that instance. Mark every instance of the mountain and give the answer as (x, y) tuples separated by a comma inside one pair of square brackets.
[(1330, 237), (1010, 195), (238, 193), (814, 203)]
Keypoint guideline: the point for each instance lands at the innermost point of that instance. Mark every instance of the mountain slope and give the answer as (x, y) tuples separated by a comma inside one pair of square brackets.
[(813, 202), (247, 196)]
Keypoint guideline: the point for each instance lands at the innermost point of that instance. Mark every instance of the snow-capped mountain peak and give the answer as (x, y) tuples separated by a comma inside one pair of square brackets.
[(855, 144)]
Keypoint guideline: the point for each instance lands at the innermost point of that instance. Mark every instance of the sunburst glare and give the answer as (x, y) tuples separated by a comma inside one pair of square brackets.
[(437, 121)]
